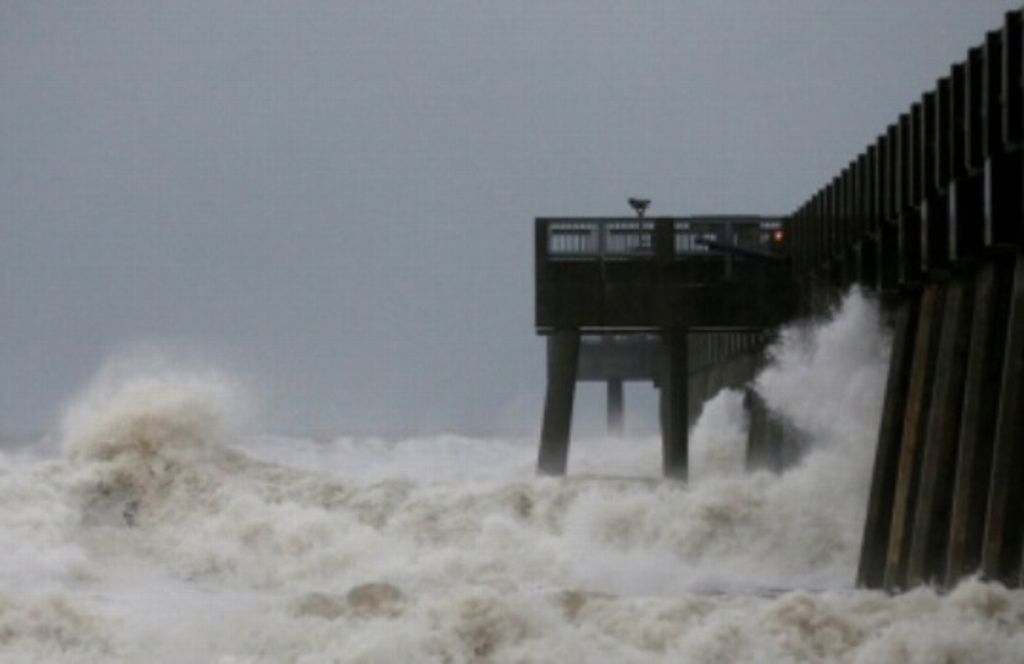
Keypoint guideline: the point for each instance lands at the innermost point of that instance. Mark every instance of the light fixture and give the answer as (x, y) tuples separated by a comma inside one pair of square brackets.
[(639, 205)]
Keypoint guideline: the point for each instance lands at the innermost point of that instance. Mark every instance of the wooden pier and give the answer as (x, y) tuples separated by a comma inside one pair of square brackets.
[(931, 217), (683, 302)]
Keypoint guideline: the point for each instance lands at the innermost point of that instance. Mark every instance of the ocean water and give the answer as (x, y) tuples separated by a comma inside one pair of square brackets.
[(154, 526)]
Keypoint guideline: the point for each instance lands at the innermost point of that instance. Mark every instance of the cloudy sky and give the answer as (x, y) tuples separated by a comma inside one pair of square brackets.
[(333, 201)]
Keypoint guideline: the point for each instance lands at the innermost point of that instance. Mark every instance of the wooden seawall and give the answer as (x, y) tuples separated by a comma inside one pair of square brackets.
[(930, 216)]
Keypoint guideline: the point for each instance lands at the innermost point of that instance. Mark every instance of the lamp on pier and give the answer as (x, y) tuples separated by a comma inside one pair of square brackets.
[(639, 205)]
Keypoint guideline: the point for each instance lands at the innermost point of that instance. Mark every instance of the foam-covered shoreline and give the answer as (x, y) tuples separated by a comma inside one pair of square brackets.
[(161, 531)]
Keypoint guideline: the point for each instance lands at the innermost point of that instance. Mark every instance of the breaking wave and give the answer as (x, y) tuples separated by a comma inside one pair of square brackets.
[(163, 531)]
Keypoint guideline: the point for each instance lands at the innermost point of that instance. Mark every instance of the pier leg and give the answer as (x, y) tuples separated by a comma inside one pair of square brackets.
[(563, 358), (1001, 552), (915, 424), (616, 408), (764, 435), (977, 423), (875, 545), (674, 406), (934, 501)]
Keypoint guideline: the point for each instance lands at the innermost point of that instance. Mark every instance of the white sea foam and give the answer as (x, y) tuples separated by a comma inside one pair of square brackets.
[(162, 532)]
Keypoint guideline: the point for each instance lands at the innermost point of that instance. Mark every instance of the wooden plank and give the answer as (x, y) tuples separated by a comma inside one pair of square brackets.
[(957, 137), (920, 148), (1013, 79), (888, 256), (934, 501), (992, 91), (942, 171), (965, 191), (1002, 200), (1002, 550), (867, 261), (1003, 172), (978, 418), (974, 74), (911, 268), (934, 216), (861, 203), (904, 170), (915, 424), (877, 524), (965, 209), (909, 219)]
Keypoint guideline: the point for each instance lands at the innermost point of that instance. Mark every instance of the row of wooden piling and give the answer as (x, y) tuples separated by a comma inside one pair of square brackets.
[(688, 367), (932, 216)]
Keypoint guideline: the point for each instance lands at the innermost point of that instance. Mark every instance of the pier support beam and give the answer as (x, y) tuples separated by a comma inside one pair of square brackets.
[(978, 417), (764, 434), (915, 425), (931, 524), (616, 408), (877, 525), (675, 405), (1002, 543), (563, 359)]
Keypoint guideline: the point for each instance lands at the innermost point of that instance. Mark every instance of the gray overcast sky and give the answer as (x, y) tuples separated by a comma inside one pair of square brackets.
[(333, 201)]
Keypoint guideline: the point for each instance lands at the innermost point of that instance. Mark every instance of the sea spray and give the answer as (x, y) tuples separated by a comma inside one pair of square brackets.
[(140, 403), (144, 438), (718, 442), (449, 549), (827, 378)]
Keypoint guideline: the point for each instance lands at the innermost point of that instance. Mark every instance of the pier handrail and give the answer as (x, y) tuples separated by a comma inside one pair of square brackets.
[(627, 238)]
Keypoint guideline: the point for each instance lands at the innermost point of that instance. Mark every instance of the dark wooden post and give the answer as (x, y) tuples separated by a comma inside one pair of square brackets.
[(875, 544), (563, 359), (1001, 549), (915, 425), (934, 502), (977, 422), (674, 405), (616, 407)]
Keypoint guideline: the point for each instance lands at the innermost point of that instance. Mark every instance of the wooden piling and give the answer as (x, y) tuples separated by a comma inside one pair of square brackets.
[(929, 538), (978, 418), (915, 424), (1001, 547), (616, 408), (563, 358), (674, 405), (877, 525)]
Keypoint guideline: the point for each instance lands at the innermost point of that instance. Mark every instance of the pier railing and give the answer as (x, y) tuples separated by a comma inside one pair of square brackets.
[(628, 274), (640, 239)]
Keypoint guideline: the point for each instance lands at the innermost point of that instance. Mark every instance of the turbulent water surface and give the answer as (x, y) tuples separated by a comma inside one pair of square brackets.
[(150, 528)]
